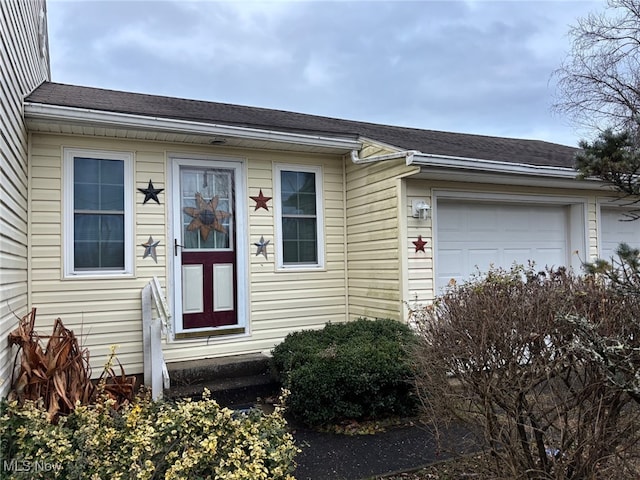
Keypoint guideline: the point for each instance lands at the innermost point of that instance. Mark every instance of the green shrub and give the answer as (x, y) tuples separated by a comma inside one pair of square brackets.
[(356, 370), (145, 440)]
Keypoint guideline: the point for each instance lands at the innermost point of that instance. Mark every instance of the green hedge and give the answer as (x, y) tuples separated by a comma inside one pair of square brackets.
[(356, 370), (145, 440)]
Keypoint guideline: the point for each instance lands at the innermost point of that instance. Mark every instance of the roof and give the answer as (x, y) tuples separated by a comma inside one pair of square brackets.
[(521, 151)]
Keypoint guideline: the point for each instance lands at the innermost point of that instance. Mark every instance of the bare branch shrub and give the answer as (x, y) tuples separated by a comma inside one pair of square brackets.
[(497, 353)]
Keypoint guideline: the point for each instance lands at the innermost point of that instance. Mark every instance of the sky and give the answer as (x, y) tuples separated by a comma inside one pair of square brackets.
[(475, 66)]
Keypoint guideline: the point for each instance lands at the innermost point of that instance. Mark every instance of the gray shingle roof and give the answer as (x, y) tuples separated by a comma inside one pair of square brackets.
[(533, 152)]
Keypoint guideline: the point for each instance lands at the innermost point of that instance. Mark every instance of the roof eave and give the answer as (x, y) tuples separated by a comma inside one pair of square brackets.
[(104, 118), (441, 167)]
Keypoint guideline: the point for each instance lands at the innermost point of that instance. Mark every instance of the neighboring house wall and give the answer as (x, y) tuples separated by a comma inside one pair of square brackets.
[(107, 311), (375, 236), (24, 65)]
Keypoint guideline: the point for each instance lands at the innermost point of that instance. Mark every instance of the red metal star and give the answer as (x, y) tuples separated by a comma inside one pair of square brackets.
[(419, 244), (261, 201)]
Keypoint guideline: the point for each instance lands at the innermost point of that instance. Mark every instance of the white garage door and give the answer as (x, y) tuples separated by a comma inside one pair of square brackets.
[(472, 236), (614, 231)]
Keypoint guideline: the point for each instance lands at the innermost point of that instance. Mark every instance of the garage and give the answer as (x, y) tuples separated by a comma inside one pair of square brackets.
[(472, 236), (616, 230)]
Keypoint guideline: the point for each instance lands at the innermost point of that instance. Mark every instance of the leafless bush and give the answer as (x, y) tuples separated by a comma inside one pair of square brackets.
[(499, 354)]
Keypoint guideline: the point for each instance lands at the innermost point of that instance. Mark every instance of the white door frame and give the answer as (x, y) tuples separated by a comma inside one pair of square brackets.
[(175, 162)]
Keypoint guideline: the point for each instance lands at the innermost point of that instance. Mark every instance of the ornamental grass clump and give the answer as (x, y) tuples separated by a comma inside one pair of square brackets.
[(357, 370), (145, 440)]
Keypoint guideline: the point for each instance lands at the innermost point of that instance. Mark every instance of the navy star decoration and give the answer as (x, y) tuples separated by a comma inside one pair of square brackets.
[(150, 193)]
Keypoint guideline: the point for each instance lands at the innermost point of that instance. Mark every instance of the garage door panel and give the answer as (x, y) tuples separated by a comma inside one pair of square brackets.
[(483, 258), (554, 257), (470, 235), (481, 223), (615, 230), (515, 255), (452, 262)]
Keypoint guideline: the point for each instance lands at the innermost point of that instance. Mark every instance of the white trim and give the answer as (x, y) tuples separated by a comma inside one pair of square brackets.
[(87, 116), (320, 233), (176, 161), (493, 166), (407, 154), (68, 213)]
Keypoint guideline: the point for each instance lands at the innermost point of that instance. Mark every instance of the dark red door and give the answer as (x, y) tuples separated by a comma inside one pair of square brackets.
[(208, 248)]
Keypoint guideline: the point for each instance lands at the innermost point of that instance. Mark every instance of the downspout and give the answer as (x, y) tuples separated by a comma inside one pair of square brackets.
[(29, 220), (407, 154), (345, 247)]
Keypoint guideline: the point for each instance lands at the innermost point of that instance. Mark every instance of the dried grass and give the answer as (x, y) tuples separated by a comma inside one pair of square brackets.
[(59, 373)]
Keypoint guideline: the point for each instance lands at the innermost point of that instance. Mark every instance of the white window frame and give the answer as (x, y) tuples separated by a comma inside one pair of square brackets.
[(69, 154), (317, 170)]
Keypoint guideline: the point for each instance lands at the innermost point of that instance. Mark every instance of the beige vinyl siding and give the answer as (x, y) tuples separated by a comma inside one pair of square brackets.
[(374, 237), (106, 311), (420, 265), (23, 68)]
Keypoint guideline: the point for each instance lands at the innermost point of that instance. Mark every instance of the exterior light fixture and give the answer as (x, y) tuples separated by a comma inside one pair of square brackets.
[(420, 209)]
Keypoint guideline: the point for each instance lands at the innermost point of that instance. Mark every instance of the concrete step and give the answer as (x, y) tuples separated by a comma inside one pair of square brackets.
[(235, 382)]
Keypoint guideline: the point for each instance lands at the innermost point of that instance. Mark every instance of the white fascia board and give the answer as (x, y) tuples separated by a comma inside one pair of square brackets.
[(489, 166), (124, 120)]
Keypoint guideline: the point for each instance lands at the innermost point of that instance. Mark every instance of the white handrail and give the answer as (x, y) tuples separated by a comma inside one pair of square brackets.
[(156, 374)]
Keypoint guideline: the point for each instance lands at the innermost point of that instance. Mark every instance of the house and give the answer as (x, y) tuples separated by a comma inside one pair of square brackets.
[(261, 222), (24, 61)]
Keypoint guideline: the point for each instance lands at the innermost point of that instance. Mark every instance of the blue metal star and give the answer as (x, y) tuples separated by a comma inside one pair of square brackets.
[(150, 249)]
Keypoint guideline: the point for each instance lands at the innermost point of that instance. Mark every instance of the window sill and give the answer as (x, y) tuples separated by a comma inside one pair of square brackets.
[(98, 276), (301, 268)]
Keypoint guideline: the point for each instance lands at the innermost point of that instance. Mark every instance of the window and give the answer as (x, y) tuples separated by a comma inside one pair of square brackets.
[(98, 199), (298, 192)]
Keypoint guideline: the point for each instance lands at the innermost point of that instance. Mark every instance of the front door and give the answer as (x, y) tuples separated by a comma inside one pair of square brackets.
[(206, 247)]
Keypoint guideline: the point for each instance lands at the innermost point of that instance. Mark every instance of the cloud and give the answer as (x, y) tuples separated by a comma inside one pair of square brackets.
[(478, 66)]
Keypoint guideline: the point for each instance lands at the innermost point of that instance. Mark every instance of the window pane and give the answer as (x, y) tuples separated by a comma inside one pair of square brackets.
[(307, 252), (111, 172), (98, 241), (299, 243), (306, 204), (86, 170), (85, 197), (86, 227), (307, 229), (112, 197), (290, 251), (112, 255), (298, 193), (98, 184), (289, 228)]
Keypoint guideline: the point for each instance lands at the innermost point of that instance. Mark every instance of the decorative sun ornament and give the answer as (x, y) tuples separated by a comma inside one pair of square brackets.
[(206, 217)]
